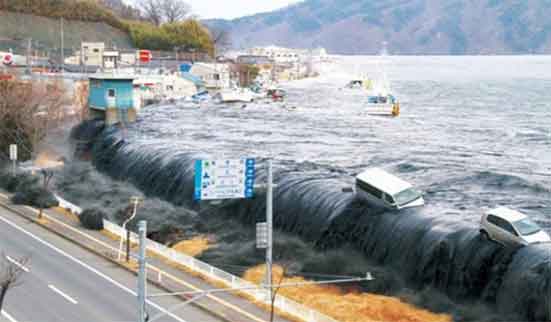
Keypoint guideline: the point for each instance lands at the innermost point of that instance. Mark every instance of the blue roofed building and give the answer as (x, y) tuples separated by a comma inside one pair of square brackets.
[(111, 98)]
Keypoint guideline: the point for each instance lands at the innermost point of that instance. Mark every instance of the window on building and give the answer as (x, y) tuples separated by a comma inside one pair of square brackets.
[(96, 50), (216, 76), (111, 92)]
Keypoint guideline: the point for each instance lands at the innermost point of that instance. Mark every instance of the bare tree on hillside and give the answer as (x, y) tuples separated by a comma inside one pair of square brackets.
[(164, 11), (175, 10), (28, 111), (151, 11), (121, 9), (10, 274)]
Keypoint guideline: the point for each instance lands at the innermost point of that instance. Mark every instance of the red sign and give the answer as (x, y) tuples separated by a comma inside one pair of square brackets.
[(145, 56), (8, 59)]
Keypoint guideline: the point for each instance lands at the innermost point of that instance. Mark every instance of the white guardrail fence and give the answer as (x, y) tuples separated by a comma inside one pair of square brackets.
[(281, 303)]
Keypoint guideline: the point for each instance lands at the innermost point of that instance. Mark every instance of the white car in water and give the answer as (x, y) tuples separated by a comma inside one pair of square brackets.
[(382, 189), (510, 227)]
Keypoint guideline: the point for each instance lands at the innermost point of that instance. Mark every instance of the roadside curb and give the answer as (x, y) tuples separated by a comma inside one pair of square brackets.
[(82, 245)]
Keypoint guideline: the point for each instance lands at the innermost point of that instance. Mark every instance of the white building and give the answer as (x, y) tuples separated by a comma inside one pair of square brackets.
[(215, 76), (279, 54), (111, 59), (128, 58), (163, 87), (91, 53), (283, 55)]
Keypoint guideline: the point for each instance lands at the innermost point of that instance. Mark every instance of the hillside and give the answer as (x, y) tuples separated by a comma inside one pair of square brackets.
[(47, 32), (409, 26)]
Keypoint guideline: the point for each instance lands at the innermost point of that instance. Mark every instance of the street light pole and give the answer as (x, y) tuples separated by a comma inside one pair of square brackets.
[(142, 229), (135, 200)]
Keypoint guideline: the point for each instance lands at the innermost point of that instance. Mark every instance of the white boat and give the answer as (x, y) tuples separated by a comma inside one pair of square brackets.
[(235, 95), (380, 99), (384, 105)]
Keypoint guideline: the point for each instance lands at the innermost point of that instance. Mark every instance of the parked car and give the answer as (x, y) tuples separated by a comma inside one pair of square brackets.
[(510, 227), (382, 189)]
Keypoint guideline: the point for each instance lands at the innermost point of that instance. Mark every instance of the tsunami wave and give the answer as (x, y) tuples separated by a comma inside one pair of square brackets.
[(442, 251)]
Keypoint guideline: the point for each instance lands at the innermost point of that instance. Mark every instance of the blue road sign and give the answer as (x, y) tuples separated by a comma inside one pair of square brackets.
[(224, 179)]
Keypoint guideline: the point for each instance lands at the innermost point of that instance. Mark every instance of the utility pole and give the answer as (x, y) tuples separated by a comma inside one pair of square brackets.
[(269, 223), (62, 48), (142, 229)]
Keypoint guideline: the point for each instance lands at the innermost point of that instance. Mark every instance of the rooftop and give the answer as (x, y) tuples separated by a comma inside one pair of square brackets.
[(383, 180), (507, 214)]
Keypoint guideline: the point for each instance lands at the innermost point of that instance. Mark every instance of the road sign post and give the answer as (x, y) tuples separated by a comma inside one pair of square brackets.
[(269, 223), (13, 157)]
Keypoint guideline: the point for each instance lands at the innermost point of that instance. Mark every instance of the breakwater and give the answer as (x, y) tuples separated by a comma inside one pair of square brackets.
[(441, 251)]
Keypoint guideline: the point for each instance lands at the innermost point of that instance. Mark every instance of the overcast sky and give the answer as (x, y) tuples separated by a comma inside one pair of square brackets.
[(229, 9)]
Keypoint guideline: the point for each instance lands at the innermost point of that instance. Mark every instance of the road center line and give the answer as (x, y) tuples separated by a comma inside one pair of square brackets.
[(88, 267), (65, 296), (18, 264), (7, 316)]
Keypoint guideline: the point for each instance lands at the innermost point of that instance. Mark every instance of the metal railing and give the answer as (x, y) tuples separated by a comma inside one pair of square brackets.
[(281, 303)]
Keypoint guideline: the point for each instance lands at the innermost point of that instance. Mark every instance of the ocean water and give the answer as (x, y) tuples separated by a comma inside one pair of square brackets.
[(475, 132)]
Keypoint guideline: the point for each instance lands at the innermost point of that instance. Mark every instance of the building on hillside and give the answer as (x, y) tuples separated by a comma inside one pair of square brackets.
[(110, 59), (111, 98), (91, 53), (128, 58), (95, 54), (215, 76), (193, 55)]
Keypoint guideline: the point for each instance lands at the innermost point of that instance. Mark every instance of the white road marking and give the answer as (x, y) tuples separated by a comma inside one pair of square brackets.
[(7, 316), (210, 296), (18, 264), (65, 296), (88, 267)]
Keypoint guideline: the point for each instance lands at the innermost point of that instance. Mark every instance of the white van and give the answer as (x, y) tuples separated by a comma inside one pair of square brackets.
[(382, 189), (508, 226)]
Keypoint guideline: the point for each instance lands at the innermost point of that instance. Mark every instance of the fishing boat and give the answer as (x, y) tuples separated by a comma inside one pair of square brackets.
[(380, 99), (383, 105)]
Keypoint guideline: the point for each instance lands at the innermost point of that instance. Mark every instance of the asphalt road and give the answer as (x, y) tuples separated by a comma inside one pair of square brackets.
[(63, 282)]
